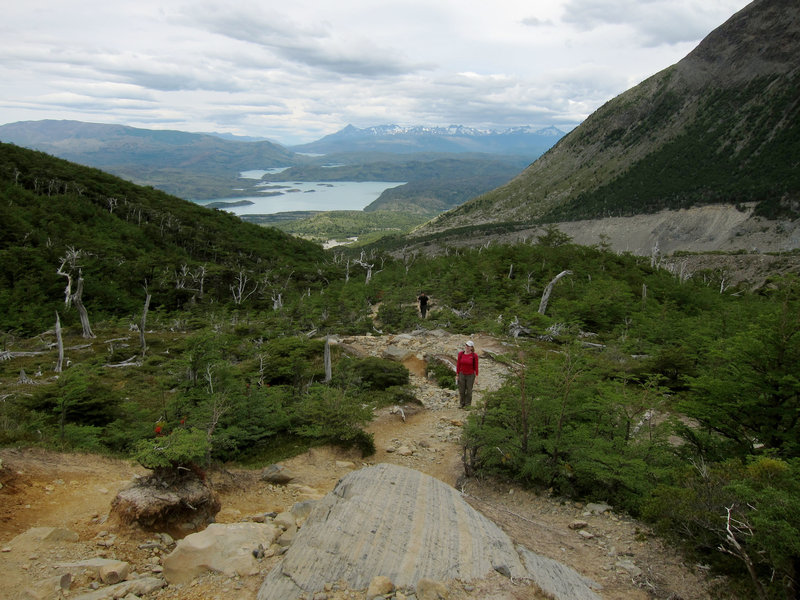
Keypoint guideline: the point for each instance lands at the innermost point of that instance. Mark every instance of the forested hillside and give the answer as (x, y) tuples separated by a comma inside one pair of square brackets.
[(675, 398), (121, 237)]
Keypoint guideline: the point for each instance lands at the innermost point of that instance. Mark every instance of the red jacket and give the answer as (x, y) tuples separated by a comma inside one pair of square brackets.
[(467, 363)]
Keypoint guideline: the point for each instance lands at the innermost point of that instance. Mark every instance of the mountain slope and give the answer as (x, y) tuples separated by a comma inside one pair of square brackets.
[(523, 141), (190, 165), (722, 125)]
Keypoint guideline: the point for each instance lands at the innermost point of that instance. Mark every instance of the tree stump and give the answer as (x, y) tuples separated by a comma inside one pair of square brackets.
[(178, 505)]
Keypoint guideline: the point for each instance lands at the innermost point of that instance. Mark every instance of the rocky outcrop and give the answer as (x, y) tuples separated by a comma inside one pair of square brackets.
[(229, 549), (397, 523), (93, 578)]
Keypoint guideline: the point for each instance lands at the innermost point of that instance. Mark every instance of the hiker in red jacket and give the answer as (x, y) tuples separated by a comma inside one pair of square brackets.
[(466, 372)]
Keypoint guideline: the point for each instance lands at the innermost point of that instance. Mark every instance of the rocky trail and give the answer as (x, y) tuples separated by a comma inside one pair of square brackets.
[(73, 494)]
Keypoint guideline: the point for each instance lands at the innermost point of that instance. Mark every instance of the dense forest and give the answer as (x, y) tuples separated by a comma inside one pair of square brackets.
[(672, 396), (739, 164)]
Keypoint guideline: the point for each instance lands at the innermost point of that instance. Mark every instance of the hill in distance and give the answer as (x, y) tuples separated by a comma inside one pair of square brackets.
[(188, 165), (722, 126)]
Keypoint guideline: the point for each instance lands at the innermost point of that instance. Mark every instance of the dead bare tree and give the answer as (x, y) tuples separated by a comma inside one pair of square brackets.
[(655, 256), (361, 261), (732, 546), (239, 287), (529, 282), (275, 288), (261, 371), (549, 289), (77, 300), (327, 359), (409, 260), (199, 278), (71, 261), (180, 277), (144, 320), (219, 406), (516, 329), (60, 342)]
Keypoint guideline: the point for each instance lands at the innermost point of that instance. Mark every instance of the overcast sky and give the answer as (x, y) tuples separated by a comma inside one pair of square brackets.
[(295, 70)]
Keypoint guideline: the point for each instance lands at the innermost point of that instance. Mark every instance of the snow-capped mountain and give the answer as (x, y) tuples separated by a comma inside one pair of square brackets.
[(523, 140)]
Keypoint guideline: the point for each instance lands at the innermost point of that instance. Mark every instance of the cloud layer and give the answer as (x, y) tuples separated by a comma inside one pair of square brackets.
[(295, 73)]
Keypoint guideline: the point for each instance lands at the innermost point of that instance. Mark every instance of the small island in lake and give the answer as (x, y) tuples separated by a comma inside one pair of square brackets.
[(228, 204)]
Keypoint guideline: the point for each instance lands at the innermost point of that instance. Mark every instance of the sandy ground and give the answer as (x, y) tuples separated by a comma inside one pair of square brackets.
[(75, 492)]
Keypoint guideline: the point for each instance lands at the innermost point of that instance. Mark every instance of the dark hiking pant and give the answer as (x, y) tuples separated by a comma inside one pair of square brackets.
[(465, 383)]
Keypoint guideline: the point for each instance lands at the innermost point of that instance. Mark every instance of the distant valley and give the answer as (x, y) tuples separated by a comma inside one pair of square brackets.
[(442, 167)]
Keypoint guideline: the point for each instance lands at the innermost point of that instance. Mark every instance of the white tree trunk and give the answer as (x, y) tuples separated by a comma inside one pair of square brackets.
[(77, 299), (144, 323), (548, 289), (60, 343), (327, 360)]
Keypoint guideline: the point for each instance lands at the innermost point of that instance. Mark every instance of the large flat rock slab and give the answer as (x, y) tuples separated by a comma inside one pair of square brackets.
[(395, 522)]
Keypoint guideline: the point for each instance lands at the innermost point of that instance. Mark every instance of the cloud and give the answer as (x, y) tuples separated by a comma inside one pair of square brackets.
[(656, 22), (536, 22), (297, 71), (314, 45)]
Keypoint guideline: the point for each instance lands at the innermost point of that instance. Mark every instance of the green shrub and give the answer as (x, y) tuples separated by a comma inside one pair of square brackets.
[(181, 449), (442, 374), (328, 415), (395, 317), (372, 373), (396, 394)]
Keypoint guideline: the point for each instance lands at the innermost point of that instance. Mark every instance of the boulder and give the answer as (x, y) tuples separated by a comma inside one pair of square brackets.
[(379, 587), (396, 353), (37, 535), (107, 570), (301, 510), (277, 474), (556, 579), (394, 522), (427, 589), (596, 508), (136, 587), (52, 587), (220, 548)]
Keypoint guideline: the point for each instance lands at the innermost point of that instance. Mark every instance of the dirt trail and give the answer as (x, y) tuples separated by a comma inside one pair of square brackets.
[(75, 491)]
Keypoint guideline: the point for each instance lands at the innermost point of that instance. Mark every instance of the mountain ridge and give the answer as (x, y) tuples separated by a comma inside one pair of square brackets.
[(189, 165), (520, 140), (721, 125)]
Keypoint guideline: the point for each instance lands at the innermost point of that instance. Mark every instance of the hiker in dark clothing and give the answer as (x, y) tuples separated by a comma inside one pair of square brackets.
[(423, 304)]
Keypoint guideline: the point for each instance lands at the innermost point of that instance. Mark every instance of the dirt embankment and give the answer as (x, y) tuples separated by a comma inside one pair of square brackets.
[(75, 492), (711, 233)]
